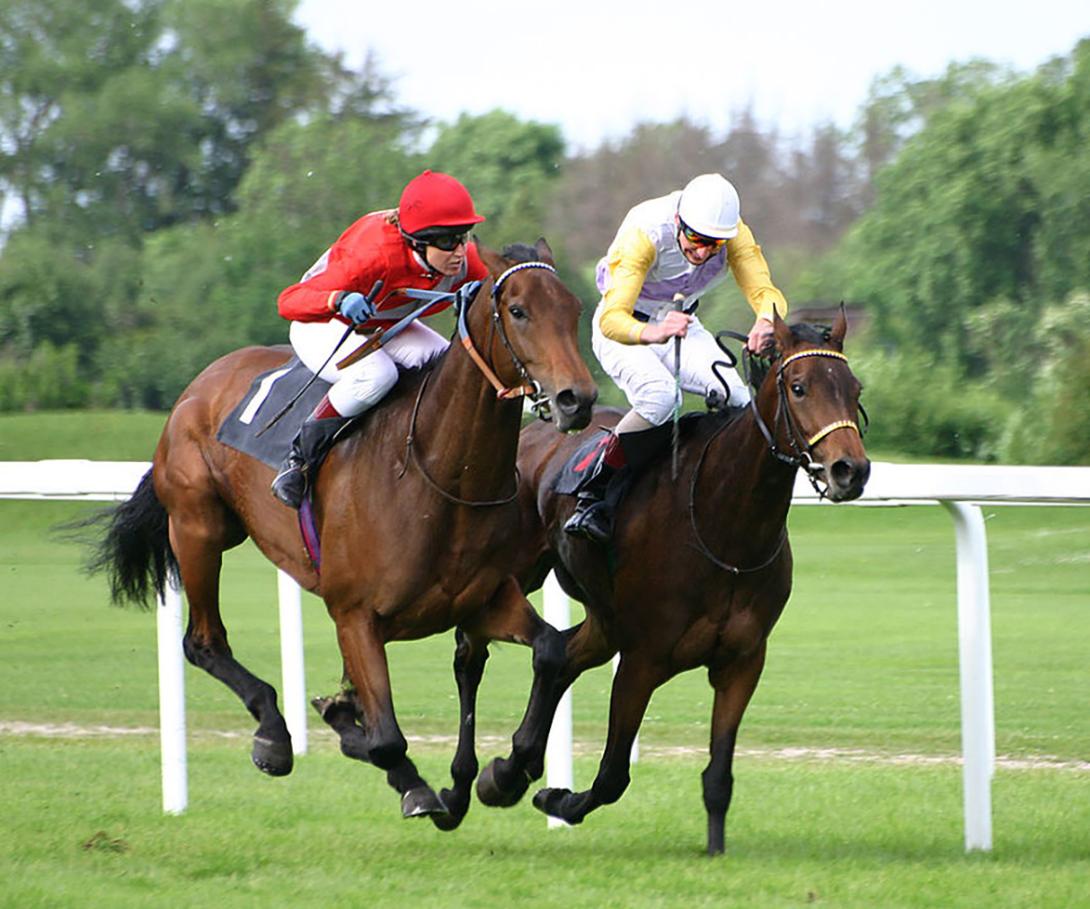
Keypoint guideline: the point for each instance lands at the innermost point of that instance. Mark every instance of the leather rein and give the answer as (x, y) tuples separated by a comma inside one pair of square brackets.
[(530, 387), (801, 455)]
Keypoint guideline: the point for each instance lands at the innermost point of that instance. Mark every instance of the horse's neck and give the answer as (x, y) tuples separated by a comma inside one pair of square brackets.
[(470, 435), (740, 467)]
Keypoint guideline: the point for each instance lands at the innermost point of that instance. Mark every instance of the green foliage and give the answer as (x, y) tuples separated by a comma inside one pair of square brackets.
[(507, 165), (923, 407), (980, 223), (1054, 426), (49, 379), (174, 164)]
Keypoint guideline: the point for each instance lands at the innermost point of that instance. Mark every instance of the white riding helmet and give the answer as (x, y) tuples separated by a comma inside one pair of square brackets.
[(709, 205)]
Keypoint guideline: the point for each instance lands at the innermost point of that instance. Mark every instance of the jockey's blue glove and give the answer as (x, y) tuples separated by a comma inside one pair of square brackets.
[(356, 308)]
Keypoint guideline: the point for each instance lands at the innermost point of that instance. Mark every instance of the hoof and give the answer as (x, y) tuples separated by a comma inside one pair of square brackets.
[(548, 801), (447, 821), (337, 711), (321, 705), (421, 802), (492, 794), (457, 806), (272, 757)]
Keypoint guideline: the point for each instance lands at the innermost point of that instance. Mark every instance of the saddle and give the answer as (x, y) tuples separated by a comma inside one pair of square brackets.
[(244, 429)]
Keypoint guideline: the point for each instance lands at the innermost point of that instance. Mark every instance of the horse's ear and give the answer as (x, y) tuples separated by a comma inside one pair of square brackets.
[(780, 331), (496, 263), (544, 253), (840, 328)]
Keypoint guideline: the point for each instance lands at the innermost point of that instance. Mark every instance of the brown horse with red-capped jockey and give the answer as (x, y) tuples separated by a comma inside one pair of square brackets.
[(415, 515), (698, 571)]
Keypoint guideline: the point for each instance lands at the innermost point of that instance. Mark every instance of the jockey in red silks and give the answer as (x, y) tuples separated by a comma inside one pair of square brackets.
[(423, 244)]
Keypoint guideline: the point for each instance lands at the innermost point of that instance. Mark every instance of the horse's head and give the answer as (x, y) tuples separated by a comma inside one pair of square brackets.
[(534, 336), (816, 406)]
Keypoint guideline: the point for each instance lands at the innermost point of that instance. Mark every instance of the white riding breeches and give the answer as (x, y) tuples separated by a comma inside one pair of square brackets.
[(645, 372), (365, 382)]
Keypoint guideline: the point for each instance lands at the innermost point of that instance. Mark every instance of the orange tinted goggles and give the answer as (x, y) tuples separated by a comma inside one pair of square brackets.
[(699, 239)]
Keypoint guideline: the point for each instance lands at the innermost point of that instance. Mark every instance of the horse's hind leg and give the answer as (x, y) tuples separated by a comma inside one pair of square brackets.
[(632, 688), (734, 685), (198, 544)]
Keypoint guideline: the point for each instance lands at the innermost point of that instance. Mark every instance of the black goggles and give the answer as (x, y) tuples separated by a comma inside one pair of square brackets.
[(446, 240)]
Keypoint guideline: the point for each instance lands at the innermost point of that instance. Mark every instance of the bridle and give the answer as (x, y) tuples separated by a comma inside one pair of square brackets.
[(802, 448), (801, 455), (531, 388)]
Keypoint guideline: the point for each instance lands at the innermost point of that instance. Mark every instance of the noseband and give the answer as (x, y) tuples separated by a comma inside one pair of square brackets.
[(539, 401)]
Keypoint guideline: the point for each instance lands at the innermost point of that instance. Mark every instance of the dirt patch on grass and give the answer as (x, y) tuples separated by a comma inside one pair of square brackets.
[(325, 738)]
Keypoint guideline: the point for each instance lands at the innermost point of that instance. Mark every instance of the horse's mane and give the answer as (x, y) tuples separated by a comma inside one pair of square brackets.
[(814, 334), (516, 252), (759, 367), (520, 252)]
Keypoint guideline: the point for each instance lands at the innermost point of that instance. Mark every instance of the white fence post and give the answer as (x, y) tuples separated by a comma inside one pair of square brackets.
[(975, 667), (634, 753), (294, 688), (172, 701), (558, 750)]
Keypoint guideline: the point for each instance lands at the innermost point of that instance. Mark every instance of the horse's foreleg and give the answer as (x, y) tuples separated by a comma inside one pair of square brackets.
[(470, 656), (505, 780), (512, 618), (633, 685), (383, 745), (734, 685), (205, 642)]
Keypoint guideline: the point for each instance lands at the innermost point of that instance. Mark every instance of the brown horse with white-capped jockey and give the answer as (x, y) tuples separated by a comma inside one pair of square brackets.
[(698, 571)]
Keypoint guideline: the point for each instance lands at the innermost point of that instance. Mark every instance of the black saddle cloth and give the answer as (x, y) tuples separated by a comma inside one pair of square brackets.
[(576, 470), (267, 396)]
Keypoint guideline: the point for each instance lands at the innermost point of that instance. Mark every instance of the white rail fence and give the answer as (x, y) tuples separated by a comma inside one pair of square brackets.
[(960, 489)]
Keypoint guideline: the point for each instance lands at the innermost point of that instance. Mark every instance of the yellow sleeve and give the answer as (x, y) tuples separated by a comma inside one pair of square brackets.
[(753, 276), (629, 259)]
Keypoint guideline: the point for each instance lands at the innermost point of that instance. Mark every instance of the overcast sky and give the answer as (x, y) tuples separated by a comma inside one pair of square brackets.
[(597, 68)]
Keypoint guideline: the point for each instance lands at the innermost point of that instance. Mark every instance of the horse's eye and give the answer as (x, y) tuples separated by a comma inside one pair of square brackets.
[(517, 312), (797, 389)]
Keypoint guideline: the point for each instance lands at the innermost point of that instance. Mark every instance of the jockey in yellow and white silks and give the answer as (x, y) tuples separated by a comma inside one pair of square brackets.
[(667, 252)]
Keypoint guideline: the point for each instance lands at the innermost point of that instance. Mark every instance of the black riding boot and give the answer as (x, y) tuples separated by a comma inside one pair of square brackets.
[(309, 448), (593, 518), (598, 499)]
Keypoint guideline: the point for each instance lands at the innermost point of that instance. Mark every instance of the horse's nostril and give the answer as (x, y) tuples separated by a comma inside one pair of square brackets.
[(842, 472), (848, 472), (567, 401)]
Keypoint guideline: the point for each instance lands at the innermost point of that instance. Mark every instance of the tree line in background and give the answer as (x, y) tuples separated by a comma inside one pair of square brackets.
[(168, 166)]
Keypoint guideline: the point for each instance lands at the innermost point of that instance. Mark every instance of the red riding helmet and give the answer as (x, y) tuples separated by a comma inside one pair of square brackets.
[(435, 200)]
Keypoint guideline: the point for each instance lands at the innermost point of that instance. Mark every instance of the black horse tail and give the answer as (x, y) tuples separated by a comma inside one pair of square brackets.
[(135, 553)]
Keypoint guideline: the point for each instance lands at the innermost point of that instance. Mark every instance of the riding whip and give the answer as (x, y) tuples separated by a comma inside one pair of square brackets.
[(679, 302), (370, 297), (384, 335)]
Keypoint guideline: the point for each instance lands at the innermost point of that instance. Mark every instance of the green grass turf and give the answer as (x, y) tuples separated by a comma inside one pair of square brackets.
[(864, 659)]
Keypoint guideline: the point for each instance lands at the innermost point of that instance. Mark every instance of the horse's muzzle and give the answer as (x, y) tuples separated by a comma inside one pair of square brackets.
[(572, 408), (846, 478)]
